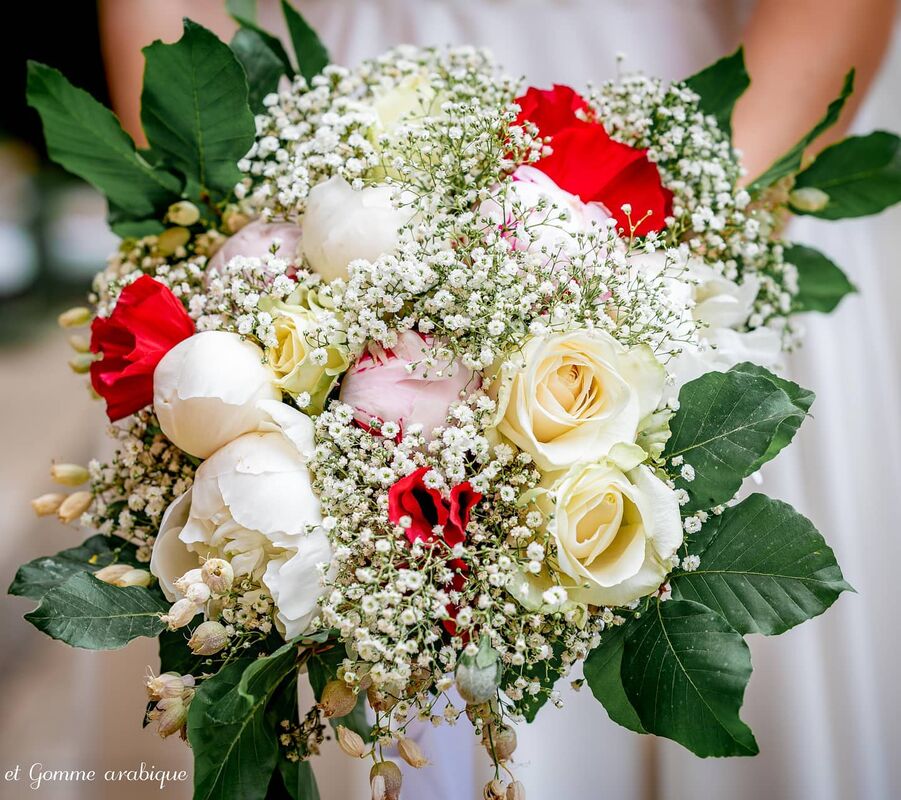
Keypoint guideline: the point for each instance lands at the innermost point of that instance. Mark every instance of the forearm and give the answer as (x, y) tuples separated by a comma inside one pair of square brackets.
[(797, 52)]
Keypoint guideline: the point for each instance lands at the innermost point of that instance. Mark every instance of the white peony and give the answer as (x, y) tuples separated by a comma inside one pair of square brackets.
[(575, 395), (535, 214), (252, 504), (616, 526), (207, 391), (343, 224)]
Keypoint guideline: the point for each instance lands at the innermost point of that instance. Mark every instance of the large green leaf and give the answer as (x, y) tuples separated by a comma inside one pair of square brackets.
[(39, 576), (861, 175), (764, 568), (719, 87), (263, 67), (295, 779), (195, 110), (310, 52), (85, 138), (791, 161), (685, 671), (85, 612), (244, 13), (235, 747), (728, 424), (821, 284), (603, 674)]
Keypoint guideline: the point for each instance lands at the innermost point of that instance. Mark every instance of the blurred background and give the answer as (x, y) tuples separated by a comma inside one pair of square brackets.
[(824, 699)]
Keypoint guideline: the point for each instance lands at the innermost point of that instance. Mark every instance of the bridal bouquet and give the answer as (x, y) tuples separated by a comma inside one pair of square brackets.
[(426, 388)]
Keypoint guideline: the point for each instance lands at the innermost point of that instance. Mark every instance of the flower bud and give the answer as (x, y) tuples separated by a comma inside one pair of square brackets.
[(47, 504), (389, 772), (516, 791), (187, 580), (499, 741), (169, 684), (76, 317), (218, 574), (411, 753), (350, 742), (181, 613), (69, 474), (135, 577), (198, 593), (171, 240), (183, 212), (74, 506), (173, 718), (377, 787), (479, 676), (494, 790), (809, 199), (81, 363), (209, 637), (337, 700), (79, 343), (379, 700), (112, 573), (233, 220)]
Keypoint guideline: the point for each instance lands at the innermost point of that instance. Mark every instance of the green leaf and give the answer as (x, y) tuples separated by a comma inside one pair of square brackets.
[(603, 674), (86, 139), (195, 110), (729, 424), (764, 568), (37, 577), (685, 671), (242, 9), (239, 12), (85, 612), (791, 161), (861, 175), (546, 672), (175, 655), (719, 86), (310, 52), (235, 747), (263, 67), (295, 779), (821, 284)]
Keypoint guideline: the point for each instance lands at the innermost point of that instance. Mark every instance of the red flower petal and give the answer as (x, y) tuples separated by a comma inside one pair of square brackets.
[(462, 500), (550, 109), (410, 497)]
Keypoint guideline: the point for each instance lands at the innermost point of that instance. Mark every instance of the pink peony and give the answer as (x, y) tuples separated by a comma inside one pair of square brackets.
[(255, 240), (379, 387)]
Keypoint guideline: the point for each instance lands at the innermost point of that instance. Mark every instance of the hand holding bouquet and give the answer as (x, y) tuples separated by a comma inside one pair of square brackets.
[(427, 387)]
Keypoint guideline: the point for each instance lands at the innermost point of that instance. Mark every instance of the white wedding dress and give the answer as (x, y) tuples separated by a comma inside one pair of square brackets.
[(824, 698)]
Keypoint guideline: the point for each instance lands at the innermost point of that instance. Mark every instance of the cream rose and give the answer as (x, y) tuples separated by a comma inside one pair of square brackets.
[(615, 531), (575, 395)]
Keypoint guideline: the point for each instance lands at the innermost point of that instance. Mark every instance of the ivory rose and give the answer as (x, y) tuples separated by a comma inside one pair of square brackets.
[(252, 504), (343, 224), (574, 395), (206, 391), (616, 526)]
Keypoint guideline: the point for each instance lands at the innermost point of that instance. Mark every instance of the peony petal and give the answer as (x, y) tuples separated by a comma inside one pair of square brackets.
[(170, 558)]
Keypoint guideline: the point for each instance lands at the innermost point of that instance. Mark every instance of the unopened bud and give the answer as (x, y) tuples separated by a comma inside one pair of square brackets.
[(218, 574), (80, 364), (135, 577), (233, 220), (171, 240), (377, 787), (479, 676), (74, 506), (113, 572), (74, 318), (69, 474), (47, 504), (173, 718), (181, 613), (500, 741), (494, 790), (198, 593), (337, 700), (411, 753), (809, 199), (79, 343), (516, 791), (187, 580), (183, 212), (350, 742), (379, 700), (209, 637), (169, 684), (389, 772)]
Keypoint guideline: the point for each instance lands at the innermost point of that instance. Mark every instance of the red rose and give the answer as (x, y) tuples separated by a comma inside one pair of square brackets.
[(147, 322), (426, 508), (586, 162)]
